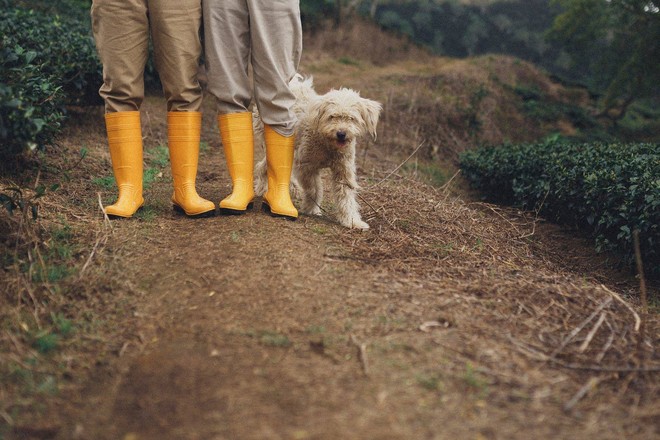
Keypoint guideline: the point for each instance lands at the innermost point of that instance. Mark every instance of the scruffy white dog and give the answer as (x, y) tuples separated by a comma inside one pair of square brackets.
[(327, 132)]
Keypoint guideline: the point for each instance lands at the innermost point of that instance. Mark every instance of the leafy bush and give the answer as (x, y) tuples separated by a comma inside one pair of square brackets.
[(608, 189), (46, 62)]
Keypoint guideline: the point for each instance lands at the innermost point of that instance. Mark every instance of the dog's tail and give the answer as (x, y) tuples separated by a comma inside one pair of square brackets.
[(303, 88)]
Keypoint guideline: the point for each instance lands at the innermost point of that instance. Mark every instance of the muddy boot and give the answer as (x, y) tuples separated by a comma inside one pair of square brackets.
[(238, 143), (125, 142), (183, 133), (279, 158)]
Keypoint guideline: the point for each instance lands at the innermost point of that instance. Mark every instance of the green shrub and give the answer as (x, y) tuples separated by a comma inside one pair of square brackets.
[(607, 189), (46, 62)]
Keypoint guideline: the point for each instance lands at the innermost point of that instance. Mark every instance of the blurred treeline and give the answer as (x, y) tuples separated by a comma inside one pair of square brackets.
[(610, 46), (459, 28)]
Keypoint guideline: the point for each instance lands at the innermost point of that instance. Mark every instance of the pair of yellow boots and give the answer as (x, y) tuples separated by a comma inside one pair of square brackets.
[(184, 128)]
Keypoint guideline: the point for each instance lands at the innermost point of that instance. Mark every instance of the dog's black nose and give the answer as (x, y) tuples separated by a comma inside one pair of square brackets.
[(341, 136)]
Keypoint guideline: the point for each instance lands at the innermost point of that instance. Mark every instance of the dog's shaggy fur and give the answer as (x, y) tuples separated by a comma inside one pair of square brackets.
[(327, 132)]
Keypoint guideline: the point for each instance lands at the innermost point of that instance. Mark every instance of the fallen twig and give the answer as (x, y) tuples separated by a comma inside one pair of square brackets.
[(579, 328), (397, 168), (103, 238), (105, 216), (591, 334), (590, 385), (607, 344), (362, 354), (638, 321)]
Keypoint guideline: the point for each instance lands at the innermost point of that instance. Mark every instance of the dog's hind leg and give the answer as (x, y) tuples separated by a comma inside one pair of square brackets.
[(312, 191)]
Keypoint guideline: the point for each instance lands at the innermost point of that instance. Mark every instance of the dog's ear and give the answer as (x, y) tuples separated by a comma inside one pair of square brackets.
[(370, 112), (316, 111)]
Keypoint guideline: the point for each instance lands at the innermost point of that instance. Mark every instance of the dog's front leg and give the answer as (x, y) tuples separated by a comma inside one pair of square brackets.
[(309, 180), (345, 189)]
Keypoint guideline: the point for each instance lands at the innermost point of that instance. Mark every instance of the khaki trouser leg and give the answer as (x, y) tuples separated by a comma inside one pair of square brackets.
[(175, 28), (266, 33), (121, 30)]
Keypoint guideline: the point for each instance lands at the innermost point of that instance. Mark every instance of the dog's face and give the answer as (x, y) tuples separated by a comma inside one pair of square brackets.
[(342, 116)]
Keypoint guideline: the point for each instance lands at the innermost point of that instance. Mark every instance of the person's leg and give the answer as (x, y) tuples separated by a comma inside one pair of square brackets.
[(183, 134), (238, 144), (121, 32), (276, 36), (175, 28), (227, 50), (226, 53)]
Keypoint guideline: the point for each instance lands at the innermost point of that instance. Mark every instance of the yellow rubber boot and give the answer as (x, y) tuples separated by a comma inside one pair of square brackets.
[(279, 159), (183, 133), (238, 143), (125, 142)]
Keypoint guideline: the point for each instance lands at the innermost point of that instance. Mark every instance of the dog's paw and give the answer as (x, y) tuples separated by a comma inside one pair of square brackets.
[(312, 210), (355, 223)]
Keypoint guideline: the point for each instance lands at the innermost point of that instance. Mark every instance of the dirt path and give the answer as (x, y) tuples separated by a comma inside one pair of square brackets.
[(258, 328), (448, 319)]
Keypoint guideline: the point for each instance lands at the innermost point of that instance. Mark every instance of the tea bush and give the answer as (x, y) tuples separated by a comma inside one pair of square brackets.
[(609, 189), (46, 62)]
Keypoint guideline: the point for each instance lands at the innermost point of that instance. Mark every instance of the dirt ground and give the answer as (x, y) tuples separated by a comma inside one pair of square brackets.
[(450, 318)]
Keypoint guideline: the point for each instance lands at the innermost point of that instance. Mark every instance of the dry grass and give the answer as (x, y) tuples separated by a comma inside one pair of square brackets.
[(450, 105), (512, 296)]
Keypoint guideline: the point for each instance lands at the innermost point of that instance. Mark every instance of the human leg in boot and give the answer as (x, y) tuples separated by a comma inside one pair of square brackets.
[(279, 159), (267, 35), (238, 145), (183, 132), (125, 142)]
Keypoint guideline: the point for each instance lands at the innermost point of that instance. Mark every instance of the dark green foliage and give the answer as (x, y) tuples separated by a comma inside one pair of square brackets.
[(314, 12), (616, 44), (538, 106), (454, 29), (607, 189), (46, 62)]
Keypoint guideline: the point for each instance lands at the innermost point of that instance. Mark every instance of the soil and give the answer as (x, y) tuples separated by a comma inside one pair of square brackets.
[(450, 318)]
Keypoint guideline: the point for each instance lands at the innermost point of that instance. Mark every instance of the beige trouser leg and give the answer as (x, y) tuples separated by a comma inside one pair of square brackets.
[(265, 33), (121, 30)]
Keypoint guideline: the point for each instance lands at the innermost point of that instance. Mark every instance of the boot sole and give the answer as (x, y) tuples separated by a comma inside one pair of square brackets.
[(266, 209), (229, 211), (119, 217), (206, 214)]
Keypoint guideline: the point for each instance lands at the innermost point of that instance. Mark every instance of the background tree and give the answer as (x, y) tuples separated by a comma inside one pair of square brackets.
[(616, 42)]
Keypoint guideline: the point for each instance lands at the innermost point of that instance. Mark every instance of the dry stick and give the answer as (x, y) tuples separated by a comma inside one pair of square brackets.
[(539, 356), (376, 211), (445, 188), (579, 328), (7, 418), (591, 383), (607, 345), (362, 353), (638, 321), (105, 216), (397, 168), (591, 334), (642, 289), (103, 238)]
